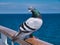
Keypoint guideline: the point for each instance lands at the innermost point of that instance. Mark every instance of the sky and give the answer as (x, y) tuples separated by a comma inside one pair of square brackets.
[(21, 6)]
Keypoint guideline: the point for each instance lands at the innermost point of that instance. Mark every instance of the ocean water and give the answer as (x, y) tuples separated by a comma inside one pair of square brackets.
[(50, 30)]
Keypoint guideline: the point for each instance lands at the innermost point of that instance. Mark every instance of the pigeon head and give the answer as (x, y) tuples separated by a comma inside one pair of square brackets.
[(35, 12)]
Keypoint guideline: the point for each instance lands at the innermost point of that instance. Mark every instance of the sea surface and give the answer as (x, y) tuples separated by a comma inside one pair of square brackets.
[(50, 30)]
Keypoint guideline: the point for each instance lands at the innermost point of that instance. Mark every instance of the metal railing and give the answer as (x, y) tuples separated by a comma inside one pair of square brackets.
[(3, 39)]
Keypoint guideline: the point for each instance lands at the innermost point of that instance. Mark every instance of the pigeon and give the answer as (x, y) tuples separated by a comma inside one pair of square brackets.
[(29, 26)]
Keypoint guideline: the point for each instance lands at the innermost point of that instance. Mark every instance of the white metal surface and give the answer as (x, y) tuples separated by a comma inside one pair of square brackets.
[(3, 40)]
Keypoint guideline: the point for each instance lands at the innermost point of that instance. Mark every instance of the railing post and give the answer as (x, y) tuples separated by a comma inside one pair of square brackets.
[(4, 39)]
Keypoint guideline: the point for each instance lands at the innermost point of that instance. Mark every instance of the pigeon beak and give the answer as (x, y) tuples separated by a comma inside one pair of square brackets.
[(29, 10)]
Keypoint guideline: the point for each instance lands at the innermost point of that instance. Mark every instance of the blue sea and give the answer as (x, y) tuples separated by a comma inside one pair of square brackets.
[(50, 30)]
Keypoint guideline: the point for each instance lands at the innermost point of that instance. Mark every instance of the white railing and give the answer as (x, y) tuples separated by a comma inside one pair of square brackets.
[(3, 40)]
